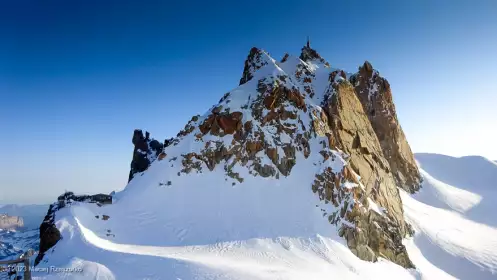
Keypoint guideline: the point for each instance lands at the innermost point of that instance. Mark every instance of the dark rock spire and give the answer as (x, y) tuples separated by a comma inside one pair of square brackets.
[(145, 152)]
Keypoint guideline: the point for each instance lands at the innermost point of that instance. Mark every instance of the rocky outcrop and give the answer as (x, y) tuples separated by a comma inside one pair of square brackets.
[(49, 234), (145, 152), (256, 59), (10, 222), (376, 98), (372, 234), (275, 108)]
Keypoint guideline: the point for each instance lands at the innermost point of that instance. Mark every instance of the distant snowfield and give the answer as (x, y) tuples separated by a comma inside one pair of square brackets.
[(454, 214), (179, 242)]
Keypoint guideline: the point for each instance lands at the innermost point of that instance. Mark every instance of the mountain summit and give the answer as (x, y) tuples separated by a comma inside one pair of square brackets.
[(299, 149)]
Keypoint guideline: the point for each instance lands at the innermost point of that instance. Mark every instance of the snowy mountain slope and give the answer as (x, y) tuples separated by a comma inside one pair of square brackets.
[(259, 187), (472, 180), (472, 173), (292, 252), (443, 216)]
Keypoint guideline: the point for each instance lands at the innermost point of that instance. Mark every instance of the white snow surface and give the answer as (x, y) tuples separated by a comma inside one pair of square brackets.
[(455, 223), (13, 243), (200, 226)]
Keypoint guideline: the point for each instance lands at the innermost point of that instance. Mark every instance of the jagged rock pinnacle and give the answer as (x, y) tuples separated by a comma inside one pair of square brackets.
[(145, 152), (256, 59)]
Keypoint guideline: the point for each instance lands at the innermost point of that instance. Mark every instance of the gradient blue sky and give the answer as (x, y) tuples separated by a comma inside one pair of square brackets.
[(76, 77)]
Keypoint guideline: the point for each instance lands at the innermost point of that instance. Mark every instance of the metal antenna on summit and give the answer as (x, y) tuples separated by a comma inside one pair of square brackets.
[(308, 42)]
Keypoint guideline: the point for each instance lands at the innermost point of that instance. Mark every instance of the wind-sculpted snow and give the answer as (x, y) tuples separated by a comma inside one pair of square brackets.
[(442, 195), (472, 173), (313, 257), (441, 214), (472, 182)]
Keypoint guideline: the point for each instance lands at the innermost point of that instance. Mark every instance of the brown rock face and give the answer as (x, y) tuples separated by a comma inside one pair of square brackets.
[(376, 99), (220, 124), (374, 235)]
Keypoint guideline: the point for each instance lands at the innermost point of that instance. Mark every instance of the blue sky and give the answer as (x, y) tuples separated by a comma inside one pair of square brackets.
[(76, 77)]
